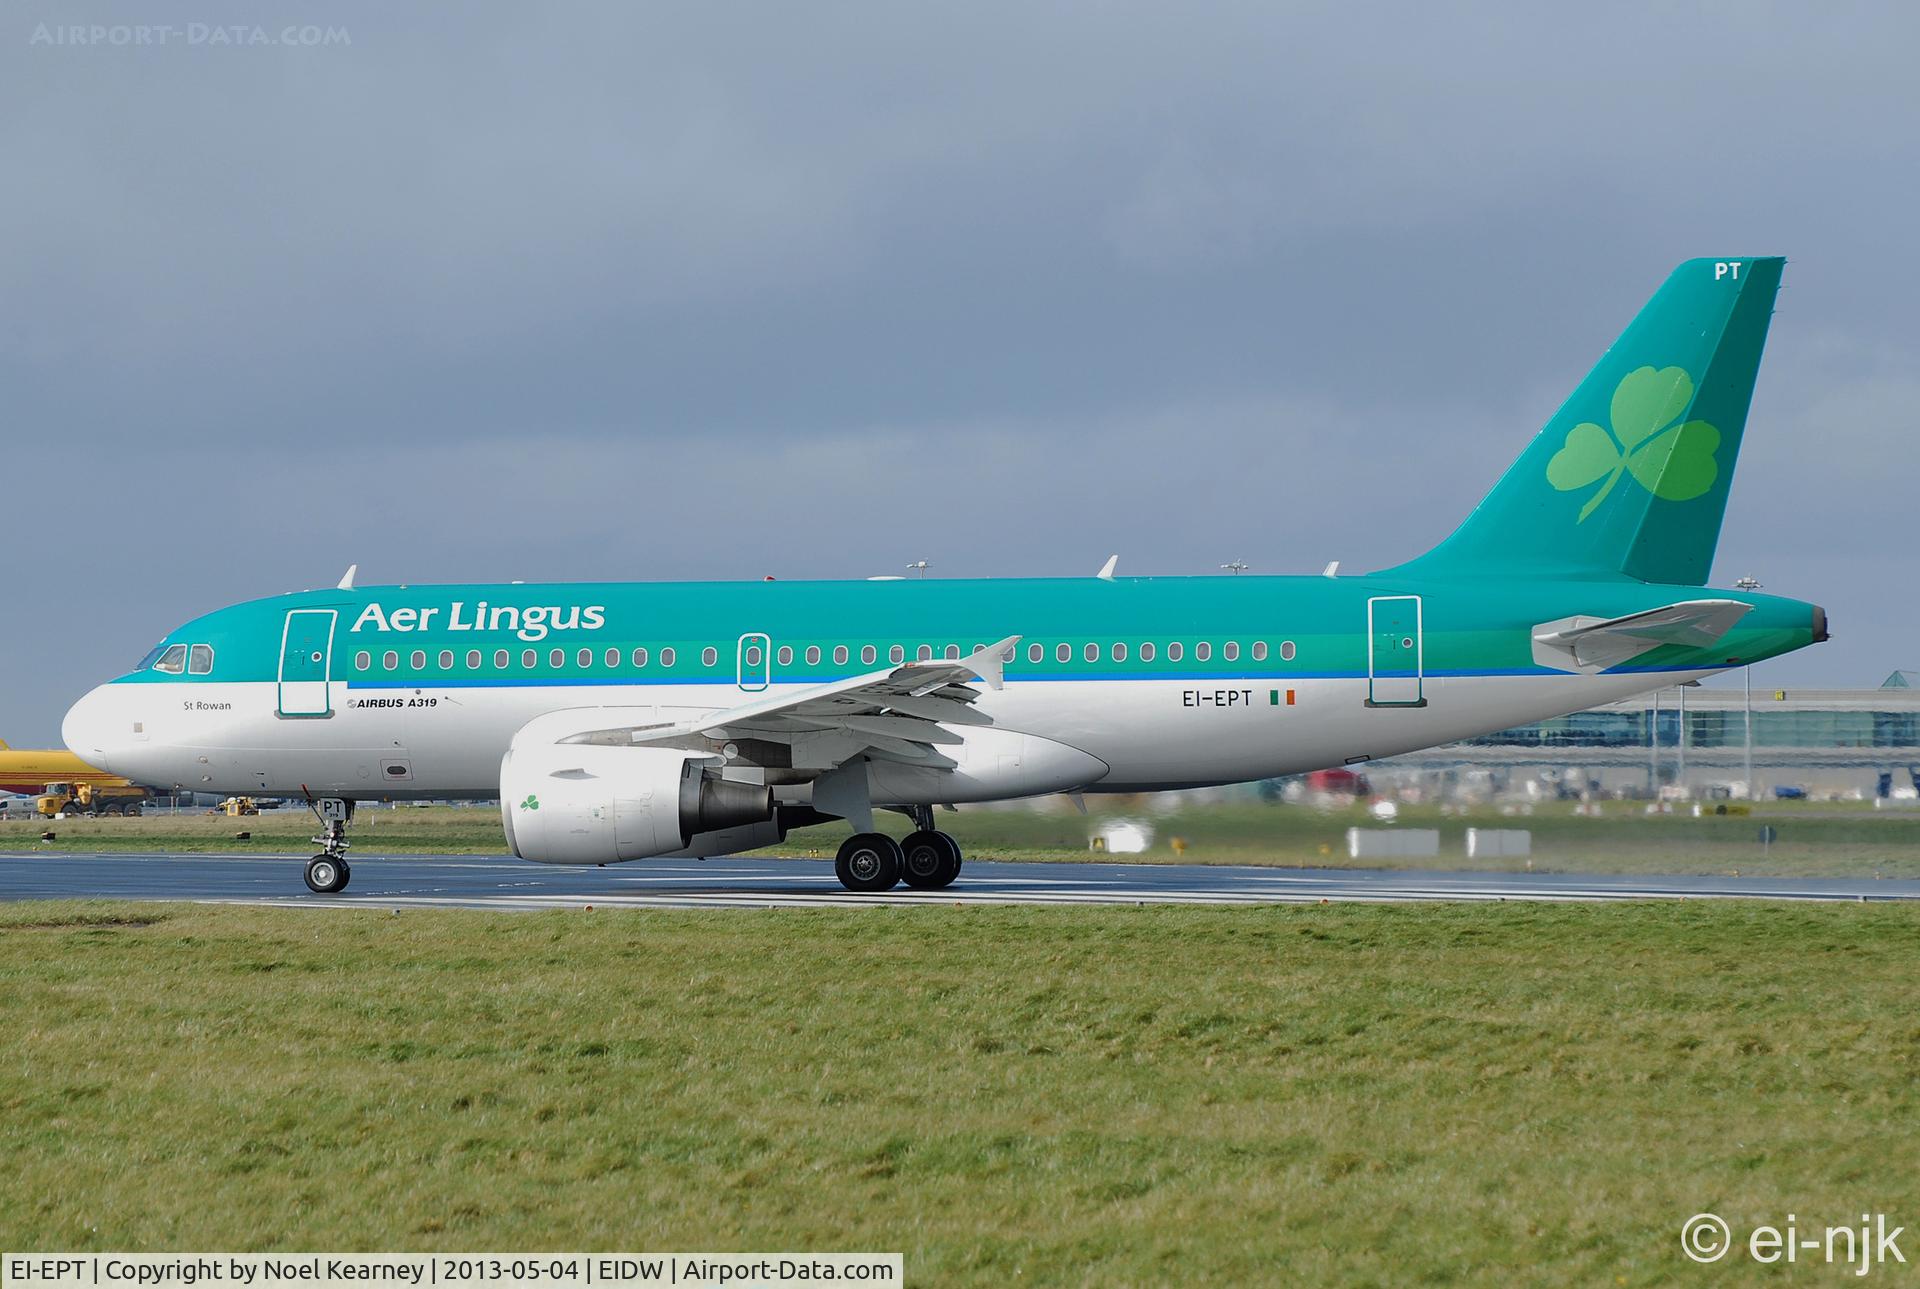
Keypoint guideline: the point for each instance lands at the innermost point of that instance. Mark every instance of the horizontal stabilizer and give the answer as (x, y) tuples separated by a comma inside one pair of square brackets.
[(1595, 644)]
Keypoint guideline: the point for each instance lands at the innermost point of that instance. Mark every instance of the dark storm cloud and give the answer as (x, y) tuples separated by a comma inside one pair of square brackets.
[(716, 291)]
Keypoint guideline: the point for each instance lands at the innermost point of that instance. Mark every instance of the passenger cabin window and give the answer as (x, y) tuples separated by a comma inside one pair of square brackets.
[(1286, 651), (1175, 650), (446, 660), (840, 655), (500, 659), (390, 660), (666, 657), (613, 657), (953, 652), (925, 653), (708, 656), (1259, 650), (1202, 651), (1063, 652), (785, 656), (419, 660), (1146, 651), (1120, 653), (173, 661), (585, 658), (753, 655), (640, 657), (813, 655), (529, 658), (199, 660), (869, 655), (1036, 652), (1231, 651), (557, 659), (897, 654), (1092, 652), (473, 660), (362, 660)]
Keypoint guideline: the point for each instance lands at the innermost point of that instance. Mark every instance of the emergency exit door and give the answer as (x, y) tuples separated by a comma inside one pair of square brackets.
[(1395, 652), (306, 660)]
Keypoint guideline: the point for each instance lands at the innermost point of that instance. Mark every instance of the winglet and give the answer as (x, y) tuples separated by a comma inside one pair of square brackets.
[(346, 579), (1106, 570), (990, 663)]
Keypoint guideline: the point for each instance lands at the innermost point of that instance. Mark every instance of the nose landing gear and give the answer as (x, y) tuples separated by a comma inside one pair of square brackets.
[(327, 872)]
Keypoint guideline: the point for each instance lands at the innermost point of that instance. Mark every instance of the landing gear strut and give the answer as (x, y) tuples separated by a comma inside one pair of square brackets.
[(327, 872)]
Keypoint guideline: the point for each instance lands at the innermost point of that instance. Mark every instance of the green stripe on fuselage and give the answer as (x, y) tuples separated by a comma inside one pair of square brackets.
[(1471, 626)]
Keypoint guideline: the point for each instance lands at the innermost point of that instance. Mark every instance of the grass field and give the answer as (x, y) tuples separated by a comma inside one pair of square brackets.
[(1823, 839), (1388, 1094)]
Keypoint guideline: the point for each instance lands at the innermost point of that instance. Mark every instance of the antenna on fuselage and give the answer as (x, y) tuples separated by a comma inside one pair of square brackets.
[(346, 579), (1106, 570), (1332, 569)]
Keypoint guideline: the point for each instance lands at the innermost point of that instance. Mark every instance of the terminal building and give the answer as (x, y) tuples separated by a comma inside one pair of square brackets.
[(1863, 742)]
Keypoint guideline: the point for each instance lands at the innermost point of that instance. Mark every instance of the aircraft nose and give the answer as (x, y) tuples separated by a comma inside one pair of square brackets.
[(87, 730)]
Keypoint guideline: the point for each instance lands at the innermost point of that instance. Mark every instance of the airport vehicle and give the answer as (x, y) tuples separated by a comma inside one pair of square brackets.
[(90, 799), (622, 721)]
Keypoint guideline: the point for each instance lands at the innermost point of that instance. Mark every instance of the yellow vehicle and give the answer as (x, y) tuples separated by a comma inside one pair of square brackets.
[(237, 806), (33, 770), (90, 799), (61, 783)]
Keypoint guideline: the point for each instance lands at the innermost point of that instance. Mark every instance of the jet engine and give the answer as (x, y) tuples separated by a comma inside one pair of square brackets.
[(566, 803)]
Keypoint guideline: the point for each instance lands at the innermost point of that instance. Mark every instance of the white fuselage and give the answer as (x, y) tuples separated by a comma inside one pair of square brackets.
[(1143, 734)]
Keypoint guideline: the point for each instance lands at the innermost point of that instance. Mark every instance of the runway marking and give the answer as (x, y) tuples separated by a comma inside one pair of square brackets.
[(728, 883)]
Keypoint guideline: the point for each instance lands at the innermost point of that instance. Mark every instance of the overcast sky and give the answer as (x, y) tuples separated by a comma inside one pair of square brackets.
[(700, 290)]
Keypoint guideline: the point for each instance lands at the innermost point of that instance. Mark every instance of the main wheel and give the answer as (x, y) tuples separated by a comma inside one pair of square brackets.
[(868, 862), (930, 861), (327, 875)]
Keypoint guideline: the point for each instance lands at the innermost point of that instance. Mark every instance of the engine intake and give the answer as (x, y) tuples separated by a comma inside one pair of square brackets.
[(563, 803)]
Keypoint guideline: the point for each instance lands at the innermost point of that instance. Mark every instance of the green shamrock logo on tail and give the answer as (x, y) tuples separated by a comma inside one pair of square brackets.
[(1671, 460)]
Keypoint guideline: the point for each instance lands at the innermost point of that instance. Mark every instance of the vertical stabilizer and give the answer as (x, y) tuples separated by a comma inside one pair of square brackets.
[(1630, 477)]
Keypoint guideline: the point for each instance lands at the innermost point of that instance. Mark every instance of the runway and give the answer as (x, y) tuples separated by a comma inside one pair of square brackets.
[(483, 882)]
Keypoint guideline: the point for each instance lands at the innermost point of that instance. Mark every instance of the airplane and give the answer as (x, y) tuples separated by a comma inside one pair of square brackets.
[(622, 721), (28, 771)]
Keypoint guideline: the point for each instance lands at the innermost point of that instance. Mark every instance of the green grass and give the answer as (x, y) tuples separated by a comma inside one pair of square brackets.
[(1438, 1094), (1822, 839)]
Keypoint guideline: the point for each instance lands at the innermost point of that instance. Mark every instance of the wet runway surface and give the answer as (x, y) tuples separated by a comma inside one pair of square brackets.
[(483, 882)]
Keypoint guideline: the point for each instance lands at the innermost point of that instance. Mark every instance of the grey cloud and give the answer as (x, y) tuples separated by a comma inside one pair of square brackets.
[(610, 290)]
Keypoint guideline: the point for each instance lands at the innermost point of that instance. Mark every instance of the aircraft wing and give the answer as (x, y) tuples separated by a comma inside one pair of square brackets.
[(898, 714), (1595, 644)]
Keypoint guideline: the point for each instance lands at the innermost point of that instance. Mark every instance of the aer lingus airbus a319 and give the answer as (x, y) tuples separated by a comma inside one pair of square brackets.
[(618, 721)]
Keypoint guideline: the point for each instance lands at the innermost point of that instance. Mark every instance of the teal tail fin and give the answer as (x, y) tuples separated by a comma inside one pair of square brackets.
[(1630, 476)]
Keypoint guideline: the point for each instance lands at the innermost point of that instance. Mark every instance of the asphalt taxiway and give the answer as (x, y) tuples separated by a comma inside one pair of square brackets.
[(483, 882)]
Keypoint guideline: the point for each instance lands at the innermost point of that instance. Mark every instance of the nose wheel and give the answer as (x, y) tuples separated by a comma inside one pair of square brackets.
[(327, 872), (327, 875)]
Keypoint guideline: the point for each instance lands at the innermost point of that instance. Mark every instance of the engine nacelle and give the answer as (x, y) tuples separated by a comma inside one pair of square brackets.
[(566, 803)]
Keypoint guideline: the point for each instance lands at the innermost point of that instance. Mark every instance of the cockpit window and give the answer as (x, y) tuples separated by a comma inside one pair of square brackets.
[(173, 660), (199, 660), (153, 656)]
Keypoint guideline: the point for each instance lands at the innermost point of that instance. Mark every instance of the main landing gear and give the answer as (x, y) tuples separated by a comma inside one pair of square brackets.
[(327, 872), (927, 860)]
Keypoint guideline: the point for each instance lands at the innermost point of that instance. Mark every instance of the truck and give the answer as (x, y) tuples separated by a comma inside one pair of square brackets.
[(90, 799)]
